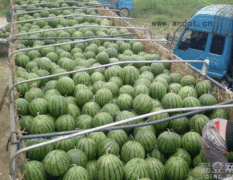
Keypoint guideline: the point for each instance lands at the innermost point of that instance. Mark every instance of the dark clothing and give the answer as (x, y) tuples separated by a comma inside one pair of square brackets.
[(229, 136)]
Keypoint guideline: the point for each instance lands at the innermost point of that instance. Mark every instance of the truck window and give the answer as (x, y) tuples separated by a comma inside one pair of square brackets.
[(194, 40), (217, 44)]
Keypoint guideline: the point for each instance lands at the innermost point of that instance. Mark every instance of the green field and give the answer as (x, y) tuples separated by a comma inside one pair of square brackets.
[(147, 11)]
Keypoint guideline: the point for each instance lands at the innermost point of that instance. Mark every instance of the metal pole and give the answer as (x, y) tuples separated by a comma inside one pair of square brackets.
[(12, 172), (80, 26), (102, 66), (52, 9)]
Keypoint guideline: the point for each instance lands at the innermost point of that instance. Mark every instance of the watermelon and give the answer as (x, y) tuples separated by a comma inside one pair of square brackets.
[(176, 168), (111, 109), (58, 106), (157, 90), (142, 104), (125, 102), (64, 145), (52, 165), (109, 146), (171, 100), (147, 128), (102, 118), (156, 153), (91, 168), (82, 78), (197, 122), (174, 87), (76, 172), (97, 76), (129, 74), (179, 125), (183, 154), (203, 87), (140, 89), (112, 71), (83, 96), (137, 47), (91, 108), (78, 157), (73, 110), (38, 106), (207, 100), (97, 136), (131, 150), (126, 89), (33, 170), (113, 87), (34, 93), (88, 146), (102, 58), (191, 102), (168, 142), (103, 96), (117, 80), (219, 113), (187, 91), (175, 77), (191, 142), (188, 81), (65, 123), (109, 167), (157, 168), (25, 122), (119, 136), (22, 106), (137, 168), (146, 138)]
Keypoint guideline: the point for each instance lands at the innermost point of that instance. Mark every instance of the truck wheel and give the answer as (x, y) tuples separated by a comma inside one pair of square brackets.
[(124, 13)]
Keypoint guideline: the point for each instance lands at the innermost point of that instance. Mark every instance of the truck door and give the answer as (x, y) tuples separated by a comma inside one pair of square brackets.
[(192, 45)]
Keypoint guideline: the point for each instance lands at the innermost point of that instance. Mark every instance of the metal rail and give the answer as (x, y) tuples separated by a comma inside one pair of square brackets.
[(72, 15), (87, 37), (80, 41), (102, 66), (12, 171), (80, 26), (65, 8)]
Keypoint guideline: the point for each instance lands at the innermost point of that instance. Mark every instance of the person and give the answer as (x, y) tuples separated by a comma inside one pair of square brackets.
[(217, 141)]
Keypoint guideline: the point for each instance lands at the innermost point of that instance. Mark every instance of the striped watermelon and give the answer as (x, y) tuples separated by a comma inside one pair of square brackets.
[(157, 68), (199, 173), (176, 168), (126, 89), (156, 103), (188, 81), (146, 74), (82, 78), (160, 126), (22, 106), (65, 145), (207, 100), (65, 123), (102, 58), (119, 136), (183, 154), (162, 80), (157, 90), (34, 93), (78, 157), (83, 96), (117, 80), (113, 87), (146, 138), (140, 89), (112, 71), (38, 106), (84, 122), (191, 142), (174, 87), (109, 146), (191, 102), (97, 136), (58, 106), (103, 96), (131, 150), (91, 108), (142, 104), (179, 125), (197, 122), (79, 87), (33, 170), (171, 100), (52, 165), (73, 110), (91, 168), (203, 87), (137, 47), (102, 118), (168, 142), (156, 153), (88, 146), (157, 168), (41, 124), (76, 172), (124, 46), (112, 109), (187, 91), (65, 86), (129, 74), (175, 77), (97, 86), (21, 88), (137, 168), (109, 167), (148, 128), (97, 76), (50, 85), (25, 122), (125, 102), (219, 113)]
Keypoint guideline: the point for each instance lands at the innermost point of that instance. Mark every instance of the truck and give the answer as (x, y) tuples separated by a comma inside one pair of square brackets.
[(208, 35), (123, 5), (53, 60)]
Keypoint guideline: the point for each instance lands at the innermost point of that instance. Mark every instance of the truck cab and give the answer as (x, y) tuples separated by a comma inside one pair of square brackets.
[(209, 35)]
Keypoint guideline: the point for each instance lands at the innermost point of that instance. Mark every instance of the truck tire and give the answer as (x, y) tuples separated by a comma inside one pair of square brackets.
[(124, 13)]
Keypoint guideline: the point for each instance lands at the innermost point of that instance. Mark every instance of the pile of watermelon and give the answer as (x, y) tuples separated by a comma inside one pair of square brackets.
[(88, 99)]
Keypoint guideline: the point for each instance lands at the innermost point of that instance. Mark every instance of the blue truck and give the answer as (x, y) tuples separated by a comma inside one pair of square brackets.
[(123, 5), (209, 36)]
